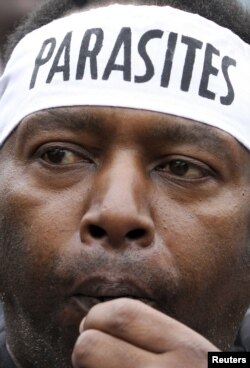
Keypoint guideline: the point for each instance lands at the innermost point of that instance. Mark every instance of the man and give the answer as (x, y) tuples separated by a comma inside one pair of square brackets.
[(125, 196)]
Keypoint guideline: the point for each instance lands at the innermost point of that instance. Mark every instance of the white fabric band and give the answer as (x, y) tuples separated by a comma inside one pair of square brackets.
[(144, 57)]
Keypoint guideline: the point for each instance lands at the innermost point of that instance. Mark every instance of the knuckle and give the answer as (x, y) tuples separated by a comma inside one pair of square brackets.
[(124, 313), (84, 348)]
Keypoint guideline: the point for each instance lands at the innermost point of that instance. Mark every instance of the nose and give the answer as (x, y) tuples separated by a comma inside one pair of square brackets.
[(118, 214)]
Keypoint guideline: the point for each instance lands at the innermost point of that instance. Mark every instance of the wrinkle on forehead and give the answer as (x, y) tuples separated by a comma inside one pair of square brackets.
[(157, 125)]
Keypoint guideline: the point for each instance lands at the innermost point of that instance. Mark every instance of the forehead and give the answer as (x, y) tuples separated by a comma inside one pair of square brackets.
[(134, 124)]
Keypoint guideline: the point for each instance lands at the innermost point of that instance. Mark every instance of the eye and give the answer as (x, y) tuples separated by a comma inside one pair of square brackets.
[(185, 169), (60, 156)]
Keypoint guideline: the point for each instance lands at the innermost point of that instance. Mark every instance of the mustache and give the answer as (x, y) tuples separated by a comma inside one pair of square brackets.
[(135, 276)]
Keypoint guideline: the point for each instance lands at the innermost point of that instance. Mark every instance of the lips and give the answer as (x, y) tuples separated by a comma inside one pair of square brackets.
[(101, 289)]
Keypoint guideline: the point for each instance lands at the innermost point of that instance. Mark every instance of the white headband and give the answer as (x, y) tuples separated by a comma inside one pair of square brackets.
[(144, 57)]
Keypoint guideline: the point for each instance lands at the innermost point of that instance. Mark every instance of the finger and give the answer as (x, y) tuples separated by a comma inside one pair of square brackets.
[(81, 327), (95, 349), (142, 326)]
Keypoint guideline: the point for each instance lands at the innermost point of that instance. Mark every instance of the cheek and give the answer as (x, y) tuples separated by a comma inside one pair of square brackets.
[(209, 247), (43, 236), (47, 228), (208, 240), (44, 212), (37, 226)]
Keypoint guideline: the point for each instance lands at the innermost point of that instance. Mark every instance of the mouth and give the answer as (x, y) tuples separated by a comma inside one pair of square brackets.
[(99, 290)]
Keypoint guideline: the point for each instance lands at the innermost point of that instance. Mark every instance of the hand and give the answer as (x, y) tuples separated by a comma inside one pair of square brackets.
[(125, 333)]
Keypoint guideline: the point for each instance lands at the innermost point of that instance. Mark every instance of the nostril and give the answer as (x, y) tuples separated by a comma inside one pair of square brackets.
[(136, 234), (97, 231)]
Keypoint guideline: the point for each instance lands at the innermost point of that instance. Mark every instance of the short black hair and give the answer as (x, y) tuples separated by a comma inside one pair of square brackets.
[(227, 13)]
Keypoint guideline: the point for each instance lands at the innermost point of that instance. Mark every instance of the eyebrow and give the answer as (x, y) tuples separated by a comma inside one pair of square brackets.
[(165, 129), (200, 134), (58, 119)]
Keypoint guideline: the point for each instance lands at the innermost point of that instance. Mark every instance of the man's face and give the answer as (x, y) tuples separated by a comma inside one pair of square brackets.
[(100, 203)]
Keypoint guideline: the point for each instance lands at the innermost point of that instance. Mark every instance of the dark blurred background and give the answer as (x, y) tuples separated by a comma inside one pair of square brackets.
[(12, 12)]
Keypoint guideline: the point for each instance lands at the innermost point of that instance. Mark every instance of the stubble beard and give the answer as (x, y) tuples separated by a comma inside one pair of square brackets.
[(32, 341)]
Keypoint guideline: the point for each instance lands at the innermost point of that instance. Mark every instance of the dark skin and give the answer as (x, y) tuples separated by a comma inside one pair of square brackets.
[(136, 220)]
